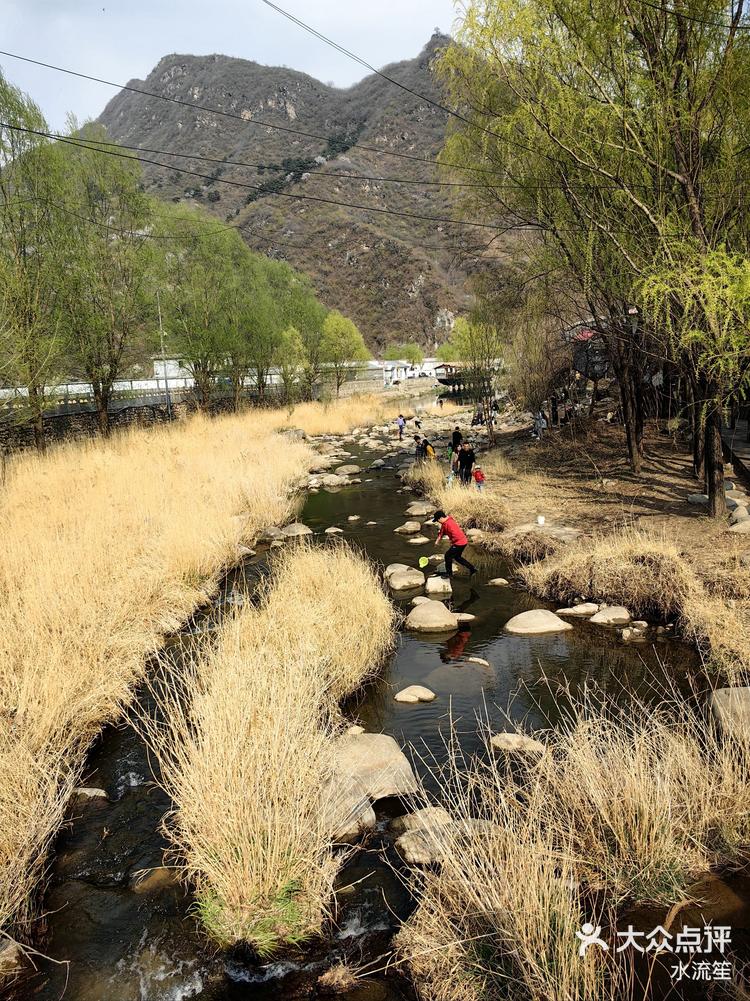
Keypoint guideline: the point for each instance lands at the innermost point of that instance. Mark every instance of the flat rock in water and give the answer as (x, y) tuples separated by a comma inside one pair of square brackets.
[(354, 517), (393, 568), (428, 816), (270, 534), (296, 530), (418, 540), (497, 582), (464, 617), (378, 764), (517, 743), (731, 710), (535, 622), (333, 530), (90, 792), (415, 693), (611, 615), (377, 463), (420, 509), (431, 617), (330, 481), (583, 610), (421, 846), (478, 660), (405, 580), (409, 528), (438, 586), (349, 470), (419, 600)]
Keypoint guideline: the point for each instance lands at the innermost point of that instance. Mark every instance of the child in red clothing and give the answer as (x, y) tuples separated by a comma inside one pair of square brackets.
[(450, 527), (478, 477)]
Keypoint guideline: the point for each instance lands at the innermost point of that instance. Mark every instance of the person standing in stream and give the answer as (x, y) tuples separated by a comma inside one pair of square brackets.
[(458, 542), (466, 460), (401, 424)]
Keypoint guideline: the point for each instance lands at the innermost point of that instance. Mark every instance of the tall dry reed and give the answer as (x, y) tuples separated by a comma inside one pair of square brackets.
[(627, 804), (107, 546), (247, 746)]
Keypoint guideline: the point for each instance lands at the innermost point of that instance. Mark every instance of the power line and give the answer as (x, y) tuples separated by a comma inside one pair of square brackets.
[(380, 73), (81, 144), (691, 17), (240, 118)]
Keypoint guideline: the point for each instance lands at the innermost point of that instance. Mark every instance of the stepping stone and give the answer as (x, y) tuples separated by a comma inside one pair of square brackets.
[(333, 530), (408, 528), (497, 582), (89, 792), (536, 622), (464, 617), (369, 523), (438, 586), (296, 530), (348, 470), (353, 517), (517, 743), (415, 693), (431, 617), (420, 509), (583, 610), (419, 600), (478, 660), (611, 615), (418, 540), (405, 580)]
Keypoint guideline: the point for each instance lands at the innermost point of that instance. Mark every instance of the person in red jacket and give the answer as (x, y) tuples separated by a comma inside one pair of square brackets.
[(458, 542)]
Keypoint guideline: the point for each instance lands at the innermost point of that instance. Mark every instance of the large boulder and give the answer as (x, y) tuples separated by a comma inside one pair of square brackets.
[(431, 617), (611, 615), (347, 808), (438, 586), (377, 762), (536, 621), (731, 710), (296, 530), (740, 513), (409, 528), (414, 694), (405, 580), (583, 611)]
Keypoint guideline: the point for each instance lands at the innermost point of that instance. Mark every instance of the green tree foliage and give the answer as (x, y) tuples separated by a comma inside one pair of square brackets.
[(342, 347), (478, 347), (290, 360), (615, 133), (32, 244), (411, 352), (109, 263)]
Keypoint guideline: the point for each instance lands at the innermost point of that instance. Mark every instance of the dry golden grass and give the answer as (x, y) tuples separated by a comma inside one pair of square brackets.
[(246, 748), (107, 546), (473, 508), (649, 575), (627, 804), (522, 548)]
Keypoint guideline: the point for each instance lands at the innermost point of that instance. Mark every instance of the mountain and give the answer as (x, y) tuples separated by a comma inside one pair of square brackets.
[(398, 278)]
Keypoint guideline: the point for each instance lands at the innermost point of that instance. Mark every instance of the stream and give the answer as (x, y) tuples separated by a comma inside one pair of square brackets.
[(118, 927)]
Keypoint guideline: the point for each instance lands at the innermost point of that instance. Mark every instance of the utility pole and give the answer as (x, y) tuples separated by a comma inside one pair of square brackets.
[(163, 358)]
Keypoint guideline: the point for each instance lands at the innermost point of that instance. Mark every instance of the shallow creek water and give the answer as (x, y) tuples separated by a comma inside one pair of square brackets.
[(115, 936)]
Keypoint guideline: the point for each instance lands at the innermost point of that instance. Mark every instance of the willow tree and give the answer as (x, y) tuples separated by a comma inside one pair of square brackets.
[(612, 132), (342, 348), (201, 265), (109, 266), (33, 229)]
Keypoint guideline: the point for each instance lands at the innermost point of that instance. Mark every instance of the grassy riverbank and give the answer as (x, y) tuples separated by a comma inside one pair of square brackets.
[(108, 546), (247, 749)]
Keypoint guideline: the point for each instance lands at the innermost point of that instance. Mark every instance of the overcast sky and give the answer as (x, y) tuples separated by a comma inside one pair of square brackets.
[(120, 41)]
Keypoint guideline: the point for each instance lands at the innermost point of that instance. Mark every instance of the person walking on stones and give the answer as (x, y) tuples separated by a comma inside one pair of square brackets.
[(466, 460), (418, 448), (401, 424), (457, 439), (458, 542)]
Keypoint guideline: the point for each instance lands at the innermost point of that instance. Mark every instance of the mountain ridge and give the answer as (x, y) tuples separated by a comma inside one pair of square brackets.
[(398, 278)]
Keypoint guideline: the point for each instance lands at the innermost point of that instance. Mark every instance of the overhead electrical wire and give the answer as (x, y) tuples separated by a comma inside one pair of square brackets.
[(246, 119)]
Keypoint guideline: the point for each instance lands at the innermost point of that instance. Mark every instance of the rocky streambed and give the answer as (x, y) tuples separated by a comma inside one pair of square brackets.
[(119, 927)]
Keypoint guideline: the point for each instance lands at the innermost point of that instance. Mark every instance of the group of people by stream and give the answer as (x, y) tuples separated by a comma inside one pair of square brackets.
[(461, 457)]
